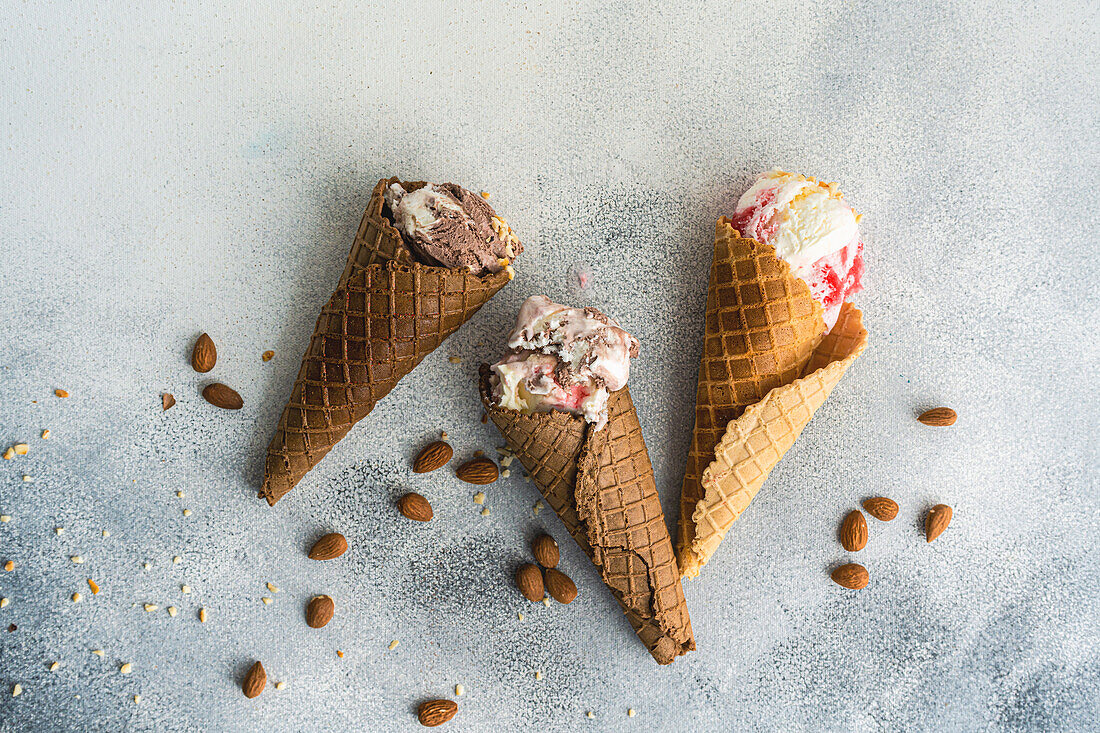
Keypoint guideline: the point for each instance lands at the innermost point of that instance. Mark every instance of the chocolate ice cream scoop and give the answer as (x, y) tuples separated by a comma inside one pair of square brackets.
[(445, 225)]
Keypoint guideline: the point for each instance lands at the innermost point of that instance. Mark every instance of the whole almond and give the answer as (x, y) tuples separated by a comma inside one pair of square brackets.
[(319, 611), (560, 586), (436, 712), (936, 521), (204, 355), (254, 681), (853, 531), (529, 582), (435, 455), (852, 576), (881, 508), (219, 395), (938, 417), (546, 551), (479, 471), (329, 547), (415, 507)]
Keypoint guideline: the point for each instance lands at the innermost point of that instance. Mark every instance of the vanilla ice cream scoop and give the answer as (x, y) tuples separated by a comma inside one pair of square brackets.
[(445, 225), (812, 227), (563, 359)]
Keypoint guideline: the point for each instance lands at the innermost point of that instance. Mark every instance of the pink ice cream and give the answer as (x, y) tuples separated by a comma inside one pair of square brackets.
[(563, 358), (812, 228)]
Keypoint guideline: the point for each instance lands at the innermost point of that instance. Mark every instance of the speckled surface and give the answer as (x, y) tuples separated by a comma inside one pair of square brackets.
[(194, 167)]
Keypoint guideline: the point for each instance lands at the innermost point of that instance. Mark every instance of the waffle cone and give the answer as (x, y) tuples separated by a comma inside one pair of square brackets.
[(600, 483), (387, 313), (764, 330)]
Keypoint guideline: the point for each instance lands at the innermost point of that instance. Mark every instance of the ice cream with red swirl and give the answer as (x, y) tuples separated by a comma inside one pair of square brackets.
[(563, 358), (812, 227)]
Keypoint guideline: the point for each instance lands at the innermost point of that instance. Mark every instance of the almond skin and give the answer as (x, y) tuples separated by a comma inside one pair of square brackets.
[(881, 508), (219, 395), (560, 586), (329, 547), (320, 611), (936, 521), (435, 455), (545, 550), (529, 582), (479, 471), (415, 507), (938, 417), (254, 681), (204, 355), (436, 712), (853, 531), (852, 576)]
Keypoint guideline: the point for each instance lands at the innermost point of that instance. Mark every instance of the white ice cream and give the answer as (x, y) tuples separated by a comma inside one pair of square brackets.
[(414, 211)]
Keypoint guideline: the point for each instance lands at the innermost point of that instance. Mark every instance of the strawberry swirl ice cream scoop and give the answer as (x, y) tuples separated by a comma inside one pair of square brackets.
[(563, 358), (812, 227)]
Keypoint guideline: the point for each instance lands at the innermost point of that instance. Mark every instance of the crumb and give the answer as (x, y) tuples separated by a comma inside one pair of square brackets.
[(150, 607), (484, 194), (538, 507), (485, 512), (266, 600), (443, 435), (177, 560), (181, 495), (9, 566), (630, 713), (394, 643), (538, 675), (45, 435), (4, 602), (590, 714), (97, 652), (455, 359), (55, 666), (137, 699), (172, 611), (507, 460), (185, 589), (95, 588), (106, 533), (479, 497), (546, 601), (126, 668), (5, 518), (202, 615), (59, 530), (280, 685), (339, 654), (271, 587), (519, 615), (505, 473), (478, 453), (17, 690), (9, 454), (61, 393), (27, 478), (186, 512), (268, 355), (21, 449), (147, 565), (77, 559), (459, 690)]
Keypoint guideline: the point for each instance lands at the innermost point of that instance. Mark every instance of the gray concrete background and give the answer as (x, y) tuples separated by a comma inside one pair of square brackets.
[(192, 167)]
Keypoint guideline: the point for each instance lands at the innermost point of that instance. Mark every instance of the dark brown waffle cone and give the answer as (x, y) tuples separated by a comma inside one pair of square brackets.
[(600, 483), (387, 314), (762, 326)]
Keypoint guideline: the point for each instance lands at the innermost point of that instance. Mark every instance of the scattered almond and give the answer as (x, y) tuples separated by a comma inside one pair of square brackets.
[(433, 456), (545, 550), (529, 582), (852, 576), (167, 400), (938, 417), (479, 471), (254, 681), (220, 395), (881, 508), (204, 354), (329, 547), (320, 611), (560, 586), (268, 355), (853, 531), (415, 507), (936, 521), (436, 712)]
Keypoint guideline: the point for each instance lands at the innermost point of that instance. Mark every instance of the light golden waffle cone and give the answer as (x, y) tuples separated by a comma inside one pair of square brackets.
[(762, 325), (386, 315), (755, 442), (600, 483)]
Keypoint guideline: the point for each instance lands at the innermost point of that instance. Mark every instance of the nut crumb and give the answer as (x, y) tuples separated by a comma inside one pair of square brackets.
[(478, 453), (9, 566), (172, 611), (202, 615), (27, 478), (185, 589), (4, 602), (186, 512), (268, 355), (147, 565), (5, 518), (59, 530), (339, 654), (181, 495), (455, 360), (538, 507), (55, 666), (45, 435), (538, 675), (479, 497), (590, 714), (150, 607), (546, 601), (506, 460), (485, 512), (630, 713), (21, 449), (77, 597), (394, 643), (505, 473), (94, 586), (459, 690), (280, 685), (484, 194), (126, 668), (77, 559), (443, 435), (106, 533), (177, 560), (9, 454), (519, 615), (61, 393), (137, 699), (97, 652), (271, 587), (17, 690), (266, 600)]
